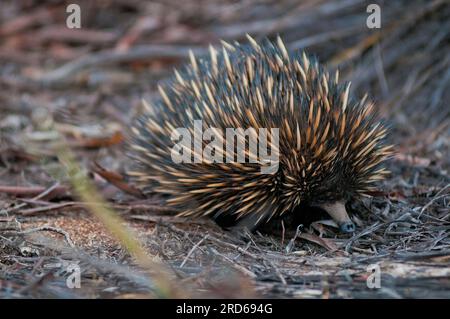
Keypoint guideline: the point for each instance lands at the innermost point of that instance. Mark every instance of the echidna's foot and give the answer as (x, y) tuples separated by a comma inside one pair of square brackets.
[(247, 224), (339, 214), (240, 233)]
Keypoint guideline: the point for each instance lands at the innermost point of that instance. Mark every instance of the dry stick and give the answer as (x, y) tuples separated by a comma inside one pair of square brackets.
[(277, 271), (171, 219), (32, 211), (33, 190), (354, 51), (434, 198), (55, 33), (48, 191), (49, 228), (112, 56), (172, 51), (234, 264), (366, 231), (294, 19), (291, 243), (380, 71), (35, 202), (320, 38), (48, 206), (193, 249), (230, 245), (220, 242), (210, 238), (117, 180), (25, 21), (133, 207)]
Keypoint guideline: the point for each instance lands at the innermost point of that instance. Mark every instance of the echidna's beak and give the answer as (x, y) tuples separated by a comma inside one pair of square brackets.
[(339, 214)]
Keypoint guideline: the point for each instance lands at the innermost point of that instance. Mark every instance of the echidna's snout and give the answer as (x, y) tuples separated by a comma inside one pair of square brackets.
[(339, 214), (348, 227)]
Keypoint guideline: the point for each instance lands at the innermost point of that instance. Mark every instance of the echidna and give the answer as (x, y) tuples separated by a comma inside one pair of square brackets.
[(331, 147)]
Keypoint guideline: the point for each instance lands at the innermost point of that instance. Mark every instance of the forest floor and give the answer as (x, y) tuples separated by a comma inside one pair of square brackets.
[(87, 84)]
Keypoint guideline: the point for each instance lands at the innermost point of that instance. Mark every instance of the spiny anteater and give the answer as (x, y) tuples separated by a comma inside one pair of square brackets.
[(331, 147)]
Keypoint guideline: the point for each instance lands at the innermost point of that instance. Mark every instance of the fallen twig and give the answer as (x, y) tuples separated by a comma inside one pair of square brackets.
[(49, 228), (113, 56)]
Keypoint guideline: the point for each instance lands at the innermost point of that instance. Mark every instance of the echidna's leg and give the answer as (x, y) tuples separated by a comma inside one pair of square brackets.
[(338, 212), (251, 222)]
